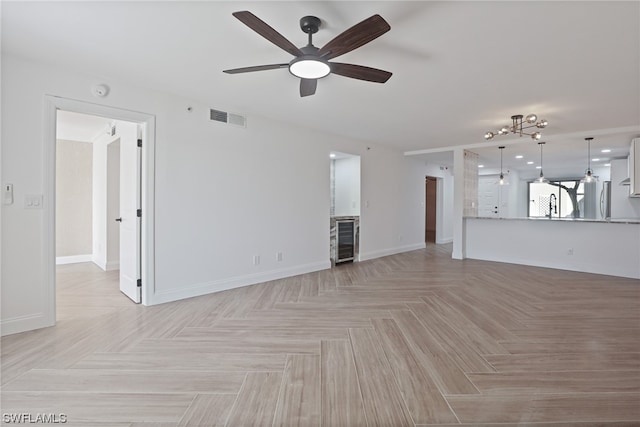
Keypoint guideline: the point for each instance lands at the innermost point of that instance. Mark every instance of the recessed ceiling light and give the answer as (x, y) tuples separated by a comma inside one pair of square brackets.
[(529, 163), (480, 166), (595, 160), (333, 156), (606, 150), (538, 167), (519, 156), (608, 164)]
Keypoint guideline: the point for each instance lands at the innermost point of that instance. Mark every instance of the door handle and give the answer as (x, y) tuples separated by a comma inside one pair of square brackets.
[(119, 219)]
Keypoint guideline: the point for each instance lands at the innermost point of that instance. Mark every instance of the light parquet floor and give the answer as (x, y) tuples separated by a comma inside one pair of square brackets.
[(414, 339)]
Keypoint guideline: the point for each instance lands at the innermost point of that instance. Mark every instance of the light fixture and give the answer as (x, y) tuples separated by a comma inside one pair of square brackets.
[(541, 178), (519, 156), (606, 150), (309, 67), (332, 155), (517, 127), (588, 174), (502, 180)]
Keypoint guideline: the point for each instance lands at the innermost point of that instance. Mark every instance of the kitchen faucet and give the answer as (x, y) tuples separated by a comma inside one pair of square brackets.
[(553, 204)]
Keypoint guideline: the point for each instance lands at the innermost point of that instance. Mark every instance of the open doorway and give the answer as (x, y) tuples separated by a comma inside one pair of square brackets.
[(431, 203), (344, 222), (97, 186), (120, 213)]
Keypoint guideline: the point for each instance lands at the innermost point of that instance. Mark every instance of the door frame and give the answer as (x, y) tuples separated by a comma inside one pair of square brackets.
[(147, 174), (436, 208)]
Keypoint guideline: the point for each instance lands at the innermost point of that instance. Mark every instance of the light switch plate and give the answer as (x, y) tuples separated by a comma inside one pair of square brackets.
[(33, 201)]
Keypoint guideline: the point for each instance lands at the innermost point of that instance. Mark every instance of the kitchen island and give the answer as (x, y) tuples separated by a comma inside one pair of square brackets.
[(609, 247)]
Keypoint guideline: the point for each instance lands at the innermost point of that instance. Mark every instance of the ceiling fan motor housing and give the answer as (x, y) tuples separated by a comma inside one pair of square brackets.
[(310, 24)]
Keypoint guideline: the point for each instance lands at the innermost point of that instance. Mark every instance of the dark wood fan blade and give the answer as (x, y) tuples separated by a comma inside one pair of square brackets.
[(308, 86), (256, 68), (360, 72), (262, 28), (356, 36)]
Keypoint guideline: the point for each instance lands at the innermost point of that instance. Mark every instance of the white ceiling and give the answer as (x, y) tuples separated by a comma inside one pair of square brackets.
[(459, 68)]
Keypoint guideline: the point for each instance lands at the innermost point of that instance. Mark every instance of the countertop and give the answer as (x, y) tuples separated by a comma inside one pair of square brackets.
[(600, 221)]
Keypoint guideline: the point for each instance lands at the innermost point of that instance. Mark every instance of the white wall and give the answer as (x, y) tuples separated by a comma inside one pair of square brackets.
[(223, 193), (602, 248), (347, 186), (392, 217), (73, 191)]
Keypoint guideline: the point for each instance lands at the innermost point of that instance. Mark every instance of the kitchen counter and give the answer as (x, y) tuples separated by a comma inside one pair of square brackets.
[(587, 245), (600, 221)]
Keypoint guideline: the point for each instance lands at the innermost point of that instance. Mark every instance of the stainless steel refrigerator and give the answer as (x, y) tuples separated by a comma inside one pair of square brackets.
[(605, 200)]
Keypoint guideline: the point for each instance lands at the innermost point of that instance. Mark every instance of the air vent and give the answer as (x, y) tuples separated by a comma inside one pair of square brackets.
[(229, 118), (219, 116)]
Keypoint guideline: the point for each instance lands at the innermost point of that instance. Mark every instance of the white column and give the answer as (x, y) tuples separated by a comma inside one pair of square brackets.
[(458, 205)]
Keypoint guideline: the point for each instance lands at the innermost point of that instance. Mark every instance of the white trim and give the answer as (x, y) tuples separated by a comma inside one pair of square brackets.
[(391, 251), (444, 240), (73, 259), (16, 325), (235, 282), (558, 265), (51, 105)]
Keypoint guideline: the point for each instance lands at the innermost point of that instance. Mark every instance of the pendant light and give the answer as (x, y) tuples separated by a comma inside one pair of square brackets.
[(541, 179), (588, 174), (502, 180)]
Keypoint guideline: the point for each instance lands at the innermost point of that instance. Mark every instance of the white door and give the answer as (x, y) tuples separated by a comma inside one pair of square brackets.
[(130, 197), (488, 195)]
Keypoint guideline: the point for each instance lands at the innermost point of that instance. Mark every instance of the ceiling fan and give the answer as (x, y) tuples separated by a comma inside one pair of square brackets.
[(311, 63)]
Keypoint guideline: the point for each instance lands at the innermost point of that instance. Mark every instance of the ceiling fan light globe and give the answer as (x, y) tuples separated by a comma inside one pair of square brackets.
[(542, 124), (531, 118), (505, 130), (309, 67), (536, 136), (488, 135)]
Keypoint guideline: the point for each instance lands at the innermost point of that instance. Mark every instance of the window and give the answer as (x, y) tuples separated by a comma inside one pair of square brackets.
[(556, 199)]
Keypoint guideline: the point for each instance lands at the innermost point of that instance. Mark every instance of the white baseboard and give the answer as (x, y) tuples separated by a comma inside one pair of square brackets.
[(445, 240), (23, 323), (233, 282), (559, 265), (391, 251), (73, 259), (112, 265)]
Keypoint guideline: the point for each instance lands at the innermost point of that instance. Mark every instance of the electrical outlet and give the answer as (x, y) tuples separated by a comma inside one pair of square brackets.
[(278, 256), (570, 251)]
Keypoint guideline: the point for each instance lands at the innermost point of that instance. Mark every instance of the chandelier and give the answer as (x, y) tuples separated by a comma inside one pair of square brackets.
[(518, 127)]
